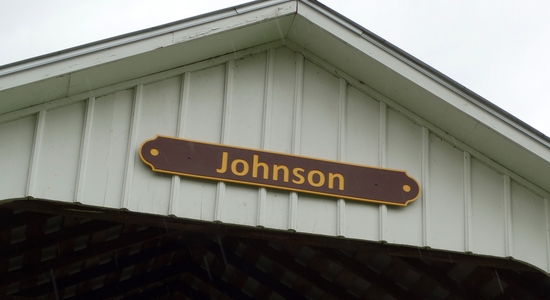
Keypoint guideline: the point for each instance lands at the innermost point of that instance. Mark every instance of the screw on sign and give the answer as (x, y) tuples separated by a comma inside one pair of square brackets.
[(277, 170)]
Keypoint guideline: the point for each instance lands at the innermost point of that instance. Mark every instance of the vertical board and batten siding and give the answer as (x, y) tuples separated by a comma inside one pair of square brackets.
[(15, 156), (276, 100)]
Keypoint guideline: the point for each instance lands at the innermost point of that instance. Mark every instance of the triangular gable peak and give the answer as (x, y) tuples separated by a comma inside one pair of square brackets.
[(288, 76)]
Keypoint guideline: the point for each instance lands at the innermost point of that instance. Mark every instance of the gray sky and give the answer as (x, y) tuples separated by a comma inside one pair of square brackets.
[(496, 48)]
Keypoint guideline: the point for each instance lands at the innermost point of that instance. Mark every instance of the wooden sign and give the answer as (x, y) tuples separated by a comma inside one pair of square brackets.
[(278, 170)]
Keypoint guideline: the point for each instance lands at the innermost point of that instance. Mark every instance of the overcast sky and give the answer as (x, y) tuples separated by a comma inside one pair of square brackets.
[(496, 48)]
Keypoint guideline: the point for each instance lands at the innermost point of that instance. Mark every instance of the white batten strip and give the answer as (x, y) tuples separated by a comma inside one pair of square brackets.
[(508, 226), (36, 148), (467, 192), (426, 239), (180, 132), (382, 161), (268, 99), (296, 135), (547, 218), (266, 130), (84, 147), (131, 152), (341, 203), (228, 94)]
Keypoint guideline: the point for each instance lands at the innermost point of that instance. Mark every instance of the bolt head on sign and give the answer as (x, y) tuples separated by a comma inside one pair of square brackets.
[(278, 170)]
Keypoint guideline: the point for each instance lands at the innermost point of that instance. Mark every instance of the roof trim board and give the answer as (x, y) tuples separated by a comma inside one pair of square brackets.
[(135, 36), (105, 51)]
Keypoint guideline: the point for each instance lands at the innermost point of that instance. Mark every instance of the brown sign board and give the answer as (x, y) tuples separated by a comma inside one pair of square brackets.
[(278, 170)]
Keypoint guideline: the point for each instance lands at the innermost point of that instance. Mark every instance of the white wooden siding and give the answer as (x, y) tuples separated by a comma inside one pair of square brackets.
[(15, 156), (108, 144), (58, 153), (404, 153), (277, 100)]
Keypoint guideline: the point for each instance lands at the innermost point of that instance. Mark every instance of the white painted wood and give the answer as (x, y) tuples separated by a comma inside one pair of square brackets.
[(268, 99), (84, 149), (159, 111), (319, 138), (206, 104), (146, 41), (266, 130), (508, 217), (382, 162), (108, 150), (287, 85), (35, 153), (132, 144), (404, 152), (281, 130), (446, 207), (362, 128), (226, 116), (319, 135), (468, 243), (296, 134), (15, 156), (246, 129), (133, 82), (425, 187), (60, 153), (203, 122), (362, 139), (247, 102), (341, 153), (180, 131), (487, 227), (529, 226)]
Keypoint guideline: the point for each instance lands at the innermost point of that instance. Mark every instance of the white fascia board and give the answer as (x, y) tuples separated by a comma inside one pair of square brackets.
[(426, 77), (116, 48)]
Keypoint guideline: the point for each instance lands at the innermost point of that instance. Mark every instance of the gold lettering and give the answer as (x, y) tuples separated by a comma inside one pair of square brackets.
[(315, 178), (331, 177), (296, 172), (321, 178), (256, 165), (234, 167), (223, 167), (276, 169)]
